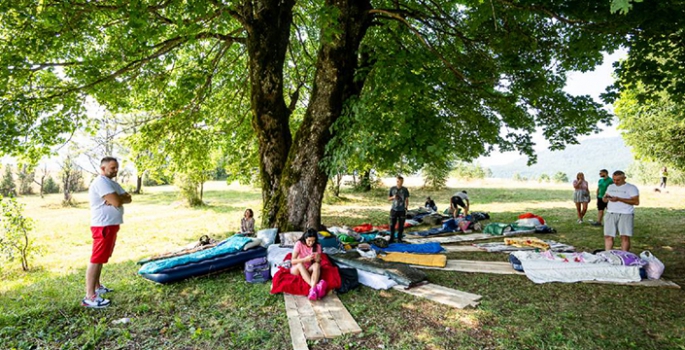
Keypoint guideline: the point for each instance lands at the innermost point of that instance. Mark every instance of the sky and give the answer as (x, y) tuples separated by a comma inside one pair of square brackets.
[(590, 83)]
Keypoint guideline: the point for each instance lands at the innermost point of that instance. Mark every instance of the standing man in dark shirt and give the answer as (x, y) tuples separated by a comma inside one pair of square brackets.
[(398, 212)]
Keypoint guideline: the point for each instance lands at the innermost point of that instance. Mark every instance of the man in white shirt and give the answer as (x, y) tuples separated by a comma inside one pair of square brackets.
[(621, 198), (107, 212)]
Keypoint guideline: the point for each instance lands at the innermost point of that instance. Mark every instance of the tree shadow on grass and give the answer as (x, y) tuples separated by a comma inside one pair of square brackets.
[(219, 310)]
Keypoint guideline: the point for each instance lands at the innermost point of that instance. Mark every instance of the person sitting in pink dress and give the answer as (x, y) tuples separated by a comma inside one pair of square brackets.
[(306, 262)]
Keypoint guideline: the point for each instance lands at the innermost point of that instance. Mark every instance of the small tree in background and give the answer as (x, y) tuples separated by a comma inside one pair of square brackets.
[(14, 233), (560, 177), (26, 178), (50, 186), (435, 175), (544, 178), (7, 186), (517, 177)]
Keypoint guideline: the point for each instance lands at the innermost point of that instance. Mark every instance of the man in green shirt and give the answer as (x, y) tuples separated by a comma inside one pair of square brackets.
[(604, 182)]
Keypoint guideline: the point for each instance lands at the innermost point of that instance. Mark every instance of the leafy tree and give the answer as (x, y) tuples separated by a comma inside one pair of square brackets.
[(71, 179), (435, 175), (7, 185), (518, 177), (649, 173), (544, 178), (468, 171), (388, 84), (654, 129), (14, 235), (26, 177), (560, 177)]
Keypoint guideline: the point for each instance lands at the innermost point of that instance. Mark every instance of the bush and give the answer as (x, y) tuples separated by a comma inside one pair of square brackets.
[(188, 189), (50, 186), (560, 177), (469, 171), (544, 178), (14, 235)]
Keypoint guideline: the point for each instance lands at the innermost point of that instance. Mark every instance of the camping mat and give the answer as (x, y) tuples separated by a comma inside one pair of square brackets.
[(436, 260), (500, 247), (400, 273)]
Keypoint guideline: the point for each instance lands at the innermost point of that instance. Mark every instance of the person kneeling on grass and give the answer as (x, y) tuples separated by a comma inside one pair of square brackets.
[(306, 262)]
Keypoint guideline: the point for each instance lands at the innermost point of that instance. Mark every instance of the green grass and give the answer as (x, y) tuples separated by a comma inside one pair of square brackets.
[(41, 309)]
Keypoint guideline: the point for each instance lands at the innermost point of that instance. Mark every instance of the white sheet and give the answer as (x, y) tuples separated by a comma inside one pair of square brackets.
[(540, 269), (275, 256)]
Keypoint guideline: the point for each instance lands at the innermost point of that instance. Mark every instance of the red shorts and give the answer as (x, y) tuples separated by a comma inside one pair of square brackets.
[(104, 239)]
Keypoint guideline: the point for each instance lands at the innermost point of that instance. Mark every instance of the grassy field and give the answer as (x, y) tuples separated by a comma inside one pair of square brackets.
[(41, 309)]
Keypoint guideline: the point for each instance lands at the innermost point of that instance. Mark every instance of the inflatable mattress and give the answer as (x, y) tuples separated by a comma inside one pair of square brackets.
[(204, 267)]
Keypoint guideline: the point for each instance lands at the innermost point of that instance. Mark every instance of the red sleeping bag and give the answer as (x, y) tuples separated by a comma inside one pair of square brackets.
[(285, 282)]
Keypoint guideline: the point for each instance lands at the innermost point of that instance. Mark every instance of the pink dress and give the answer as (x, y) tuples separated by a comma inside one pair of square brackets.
[(304, 251)]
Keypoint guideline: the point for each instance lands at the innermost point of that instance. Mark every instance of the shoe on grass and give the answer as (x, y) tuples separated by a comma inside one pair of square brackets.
[(596, 224), (102, 290), (95, 302)]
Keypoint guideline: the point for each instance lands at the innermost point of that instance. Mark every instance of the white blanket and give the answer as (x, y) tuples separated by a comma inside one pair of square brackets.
[(579, 267), (275, 256)]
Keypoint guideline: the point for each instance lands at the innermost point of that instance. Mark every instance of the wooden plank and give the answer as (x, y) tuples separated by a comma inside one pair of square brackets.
[(297, 336), (443, 295), (305, 316), (325, 320), (342, 317), (462, 248), (498, 267), (660, 283)]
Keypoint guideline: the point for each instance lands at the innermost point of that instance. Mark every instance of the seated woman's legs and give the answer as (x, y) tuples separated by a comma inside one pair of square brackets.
[(299, 269), (315, 270)]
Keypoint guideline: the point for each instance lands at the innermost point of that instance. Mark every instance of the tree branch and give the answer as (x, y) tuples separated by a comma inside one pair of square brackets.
[(423, 40)]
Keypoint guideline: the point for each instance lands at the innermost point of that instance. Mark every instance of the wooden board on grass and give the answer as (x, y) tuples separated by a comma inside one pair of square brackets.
[(498, 267), (443, 295), (660, 283), (461, 248), (325, 318)]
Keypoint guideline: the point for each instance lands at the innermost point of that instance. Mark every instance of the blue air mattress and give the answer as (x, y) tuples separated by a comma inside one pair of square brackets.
[(204, 267)]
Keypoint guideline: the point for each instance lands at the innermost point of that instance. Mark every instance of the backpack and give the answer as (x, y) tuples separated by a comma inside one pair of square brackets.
[(349, 279), (257, 270)]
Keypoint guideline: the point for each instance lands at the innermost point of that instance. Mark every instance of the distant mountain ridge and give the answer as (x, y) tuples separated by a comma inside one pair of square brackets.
[(589, 157)]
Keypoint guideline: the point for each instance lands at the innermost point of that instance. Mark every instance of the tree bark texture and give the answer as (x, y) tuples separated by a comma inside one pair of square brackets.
[(304, 181), (268, 25), (139, 184)]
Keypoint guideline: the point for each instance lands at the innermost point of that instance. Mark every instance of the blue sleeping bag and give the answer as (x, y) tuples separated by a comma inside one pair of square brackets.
[(230, 245), (424, 248)]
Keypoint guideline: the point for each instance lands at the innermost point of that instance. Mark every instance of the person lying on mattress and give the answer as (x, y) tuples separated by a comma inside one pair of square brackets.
[(306, 262)]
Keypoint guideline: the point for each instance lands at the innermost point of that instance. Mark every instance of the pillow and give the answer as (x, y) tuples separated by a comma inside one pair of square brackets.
[(268, 236), (288, 239), (254, 243)]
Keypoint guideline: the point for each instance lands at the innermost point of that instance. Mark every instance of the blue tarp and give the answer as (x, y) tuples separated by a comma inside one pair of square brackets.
[(423, 248), (231, 245)]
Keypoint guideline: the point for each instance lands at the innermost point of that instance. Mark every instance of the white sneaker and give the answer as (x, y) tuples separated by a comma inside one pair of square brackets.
[(580, 221), (96, 302), (102, 290)]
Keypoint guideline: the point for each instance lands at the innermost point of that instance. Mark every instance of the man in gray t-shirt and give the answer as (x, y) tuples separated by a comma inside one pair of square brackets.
[(398, 212)]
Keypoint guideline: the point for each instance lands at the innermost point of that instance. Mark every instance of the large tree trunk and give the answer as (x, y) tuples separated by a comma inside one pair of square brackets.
[(268, 27), (304, 181)]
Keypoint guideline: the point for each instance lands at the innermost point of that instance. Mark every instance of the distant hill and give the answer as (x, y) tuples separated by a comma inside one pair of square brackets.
[(589, 157)]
